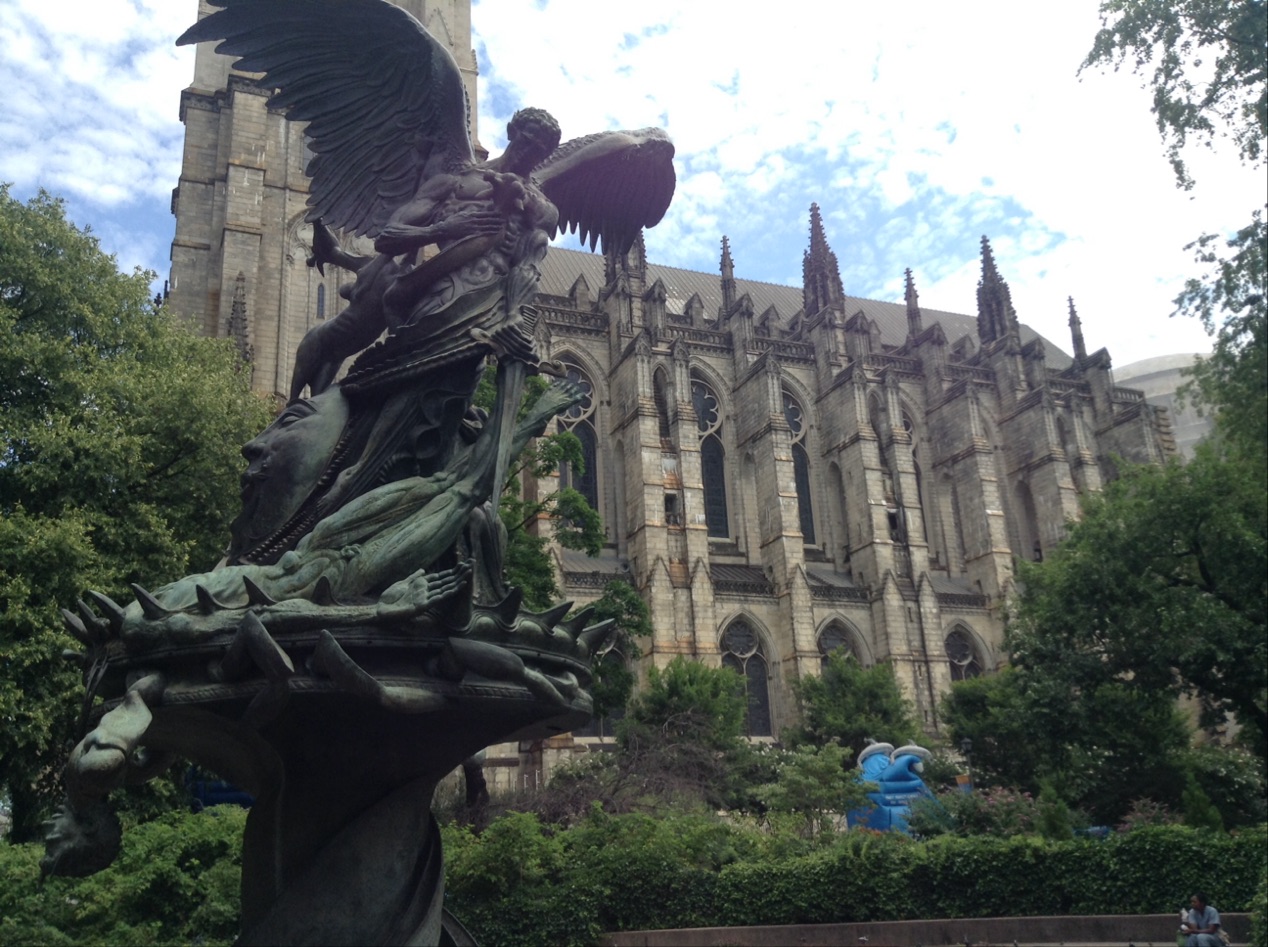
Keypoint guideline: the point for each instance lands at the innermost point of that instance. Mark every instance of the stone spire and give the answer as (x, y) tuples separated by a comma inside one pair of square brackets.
[(1076, 333), (728, 278), (237, 328), (914, 322), (821, 278), (996, 317)]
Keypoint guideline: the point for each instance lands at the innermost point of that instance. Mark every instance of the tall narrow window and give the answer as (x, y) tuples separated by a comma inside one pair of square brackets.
[(661, 397), (579, 419), (321, 301), (962, 654), (801, 467), (712, 459), (742, 652)]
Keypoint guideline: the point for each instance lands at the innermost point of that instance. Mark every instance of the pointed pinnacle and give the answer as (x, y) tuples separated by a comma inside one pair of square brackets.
[(114, 614), (256, 595), (988, 260), (150, 606), (77, 628)]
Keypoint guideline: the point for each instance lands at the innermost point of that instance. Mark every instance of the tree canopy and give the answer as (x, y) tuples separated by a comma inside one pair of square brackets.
[(1158, 592), (1163, 586), (1209, 77), (119, 440), (1207, 64), (851, 704)]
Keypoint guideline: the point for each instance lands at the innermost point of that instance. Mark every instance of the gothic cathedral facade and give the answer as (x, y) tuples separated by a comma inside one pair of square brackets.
[(781, 470)]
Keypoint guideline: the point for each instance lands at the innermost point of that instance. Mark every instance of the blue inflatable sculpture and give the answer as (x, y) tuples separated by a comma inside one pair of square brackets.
[(897, 776)]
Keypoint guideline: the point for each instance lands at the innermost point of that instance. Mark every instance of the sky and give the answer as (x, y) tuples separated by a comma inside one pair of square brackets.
[(916, 127)]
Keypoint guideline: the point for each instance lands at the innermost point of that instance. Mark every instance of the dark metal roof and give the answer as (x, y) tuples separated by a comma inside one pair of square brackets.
[(562, 267)]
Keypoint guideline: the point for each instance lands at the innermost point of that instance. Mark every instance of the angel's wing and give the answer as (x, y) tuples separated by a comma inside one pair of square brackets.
[(609, 185), (384, 101)]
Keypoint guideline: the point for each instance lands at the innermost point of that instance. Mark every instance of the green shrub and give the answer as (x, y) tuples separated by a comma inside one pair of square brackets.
[(176, 880), (1259, 915)]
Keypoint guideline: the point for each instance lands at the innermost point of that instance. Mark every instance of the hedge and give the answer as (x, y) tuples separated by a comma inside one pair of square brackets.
[(521, 882)]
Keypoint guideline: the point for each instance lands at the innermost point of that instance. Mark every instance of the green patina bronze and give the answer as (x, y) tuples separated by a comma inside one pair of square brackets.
[(359, 642)]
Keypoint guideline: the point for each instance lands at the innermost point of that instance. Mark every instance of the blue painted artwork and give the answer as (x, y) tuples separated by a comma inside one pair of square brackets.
[(896, 773)]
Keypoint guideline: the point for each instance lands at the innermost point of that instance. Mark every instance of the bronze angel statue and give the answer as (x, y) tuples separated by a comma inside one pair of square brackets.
[(360, 642), (459, 241), (388, 124)]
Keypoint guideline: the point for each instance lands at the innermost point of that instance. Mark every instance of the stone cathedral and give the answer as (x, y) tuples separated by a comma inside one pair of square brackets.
[(781, 470)]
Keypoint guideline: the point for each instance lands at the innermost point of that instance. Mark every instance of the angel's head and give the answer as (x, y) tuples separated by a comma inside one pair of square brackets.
[(532, 134)]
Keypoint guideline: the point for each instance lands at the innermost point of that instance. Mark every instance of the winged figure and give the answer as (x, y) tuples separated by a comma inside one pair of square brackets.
[(388, 125)]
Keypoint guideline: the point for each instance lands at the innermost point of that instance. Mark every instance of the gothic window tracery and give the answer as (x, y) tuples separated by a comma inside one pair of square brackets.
[(801, 467), (742, 652), (579, 419), (838, 637), (712, 458), (962, 654)]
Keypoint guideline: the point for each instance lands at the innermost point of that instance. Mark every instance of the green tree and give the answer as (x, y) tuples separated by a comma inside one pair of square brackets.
[(817, 783), (681, 738), (574, 524), (999, 713), (1209, 75), (689, 702), (1094, 740), (850, 703), (119, 439), (1162, 588), (1207, 65), (613, 674)]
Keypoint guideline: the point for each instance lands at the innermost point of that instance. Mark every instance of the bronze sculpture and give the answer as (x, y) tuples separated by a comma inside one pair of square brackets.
[(360, 641)]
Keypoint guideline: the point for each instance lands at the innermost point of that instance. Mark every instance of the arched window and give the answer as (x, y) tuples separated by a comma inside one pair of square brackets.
[(712, 459), (1026, 533), (837, 637), (579, 419), (321, 301), (962, 655), (742, 652), (801, 467)]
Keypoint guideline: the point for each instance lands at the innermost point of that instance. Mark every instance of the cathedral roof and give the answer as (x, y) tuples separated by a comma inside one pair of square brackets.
[(562, 267)]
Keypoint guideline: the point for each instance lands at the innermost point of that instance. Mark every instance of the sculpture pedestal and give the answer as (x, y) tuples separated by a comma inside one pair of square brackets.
[(340, 846)]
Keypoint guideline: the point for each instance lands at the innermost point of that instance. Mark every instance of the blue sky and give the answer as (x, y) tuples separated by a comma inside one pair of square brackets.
[(916, 127)]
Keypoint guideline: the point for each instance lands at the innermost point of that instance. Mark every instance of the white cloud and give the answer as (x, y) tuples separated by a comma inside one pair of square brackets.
[(914, 135)]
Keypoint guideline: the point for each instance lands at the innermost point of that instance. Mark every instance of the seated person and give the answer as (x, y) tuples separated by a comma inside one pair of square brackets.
[(1202, 924)]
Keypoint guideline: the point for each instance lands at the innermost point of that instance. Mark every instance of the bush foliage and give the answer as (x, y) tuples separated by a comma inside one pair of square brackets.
[(524, 881)]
